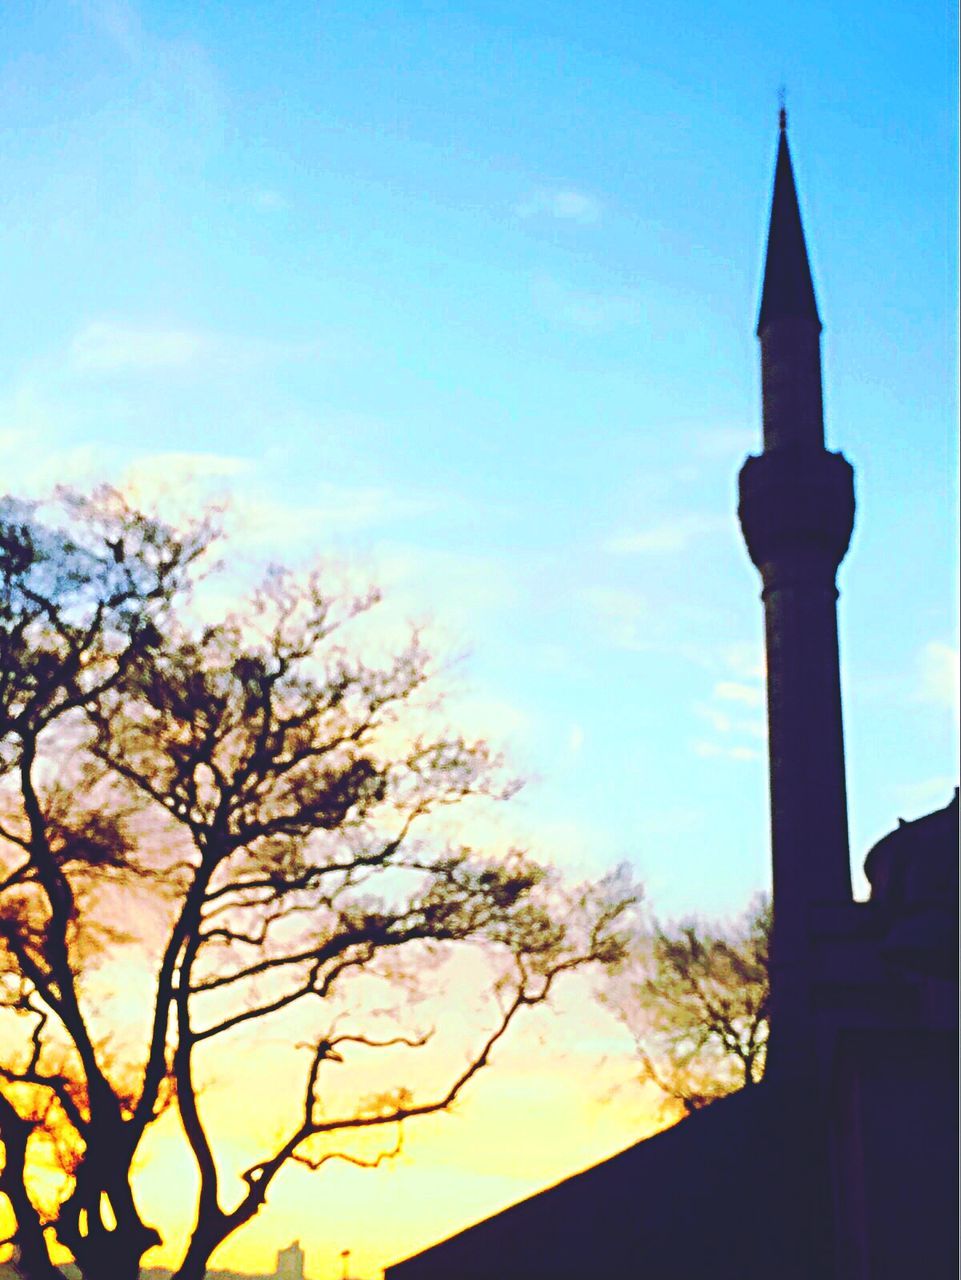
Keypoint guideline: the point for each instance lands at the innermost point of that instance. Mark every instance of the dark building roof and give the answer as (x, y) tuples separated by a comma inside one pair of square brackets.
[(740, 1190), (913, 873), (729, 1192), (788, 290)]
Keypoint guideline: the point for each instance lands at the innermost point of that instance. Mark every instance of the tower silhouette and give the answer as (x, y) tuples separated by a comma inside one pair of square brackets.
[(797, 513)]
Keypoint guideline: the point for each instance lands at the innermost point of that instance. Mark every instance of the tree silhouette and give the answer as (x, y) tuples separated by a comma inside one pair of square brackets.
[(696, 997), (255, 810)]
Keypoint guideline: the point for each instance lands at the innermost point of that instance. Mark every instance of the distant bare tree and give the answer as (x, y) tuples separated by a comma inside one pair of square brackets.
[(255, 808), (696, 997)]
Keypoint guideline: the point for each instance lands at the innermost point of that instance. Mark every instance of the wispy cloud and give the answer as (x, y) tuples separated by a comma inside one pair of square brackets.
[(733, 691), (723, 442), (269, 200), (723, 722), (587, 309), (938, 675), (718, 751), (118, 21), (338, 511), (179, 110), (674, 534), (746, 661), (917, 798), (103, 347), (566, 204), (619, 614), (187, 478), (41, 442), (459, 592), (116, 347), (736, 732)]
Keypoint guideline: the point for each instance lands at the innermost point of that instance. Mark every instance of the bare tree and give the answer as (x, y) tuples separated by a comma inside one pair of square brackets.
[(259, 811), (696, 997)]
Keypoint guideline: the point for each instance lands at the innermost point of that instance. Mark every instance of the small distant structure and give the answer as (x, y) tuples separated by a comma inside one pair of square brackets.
[(290, 1262)]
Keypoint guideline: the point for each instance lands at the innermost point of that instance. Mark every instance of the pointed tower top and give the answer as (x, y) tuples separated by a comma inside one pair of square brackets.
[(788, 290)]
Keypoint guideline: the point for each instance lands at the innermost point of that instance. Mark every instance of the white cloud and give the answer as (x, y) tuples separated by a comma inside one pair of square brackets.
[(179, 109), (337, 509), (918, 798), (939, 676), (618, 613), (36, 473), (587, 309), (270, 201), (499, 721), (118, 21), (714, 751), (39, 445), (674, 534), (182, 466), (566, 204), (747, 661), (724, 442), (723, 723), (103, 347), (180, 483), (733, 691), (719, 721), (109, 347), (457, 591), (736, 734)]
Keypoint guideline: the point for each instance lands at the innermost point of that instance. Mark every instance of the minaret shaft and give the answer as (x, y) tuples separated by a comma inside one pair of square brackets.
[(797, 514), (792, 406), (809, 826)]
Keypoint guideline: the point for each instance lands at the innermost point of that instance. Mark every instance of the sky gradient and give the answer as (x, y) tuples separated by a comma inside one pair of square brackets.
[(463, 294)]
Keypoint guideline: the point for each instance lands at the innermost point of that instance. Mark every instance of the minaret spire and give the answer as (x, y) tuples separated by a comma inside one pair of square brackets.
[(788, 288), (797, 514), (789, 325)]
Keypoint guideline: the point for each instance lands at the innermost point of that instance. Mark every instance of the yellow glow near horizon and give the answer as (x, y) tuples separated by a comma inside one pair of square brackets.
[(558, 1098), (560, 1094), (515, 1136)]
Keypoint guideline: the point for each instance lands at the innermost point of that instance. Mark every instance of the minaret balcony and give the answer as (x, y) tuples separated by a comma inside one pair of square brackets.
[(797, 512)]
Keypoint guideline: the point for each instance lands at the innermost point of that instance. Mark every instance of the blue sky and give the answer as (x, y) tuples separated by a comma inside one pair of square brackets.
[(465, 292)]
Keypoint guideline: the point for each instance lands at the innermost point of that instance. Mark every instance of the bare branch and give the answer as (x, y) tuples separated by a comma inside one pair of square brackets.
[(247, 802)]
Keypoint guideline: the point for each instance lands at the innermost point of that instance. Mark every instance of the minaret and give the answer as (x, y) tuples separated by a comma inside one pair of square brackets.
[(797, 512)]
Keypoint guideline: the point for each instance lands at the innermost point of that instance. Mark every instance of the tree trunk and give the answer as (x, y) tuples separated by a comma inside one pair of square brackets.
[(117, 1268), (194, 1265), (114, 1254), (34, 1260)]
